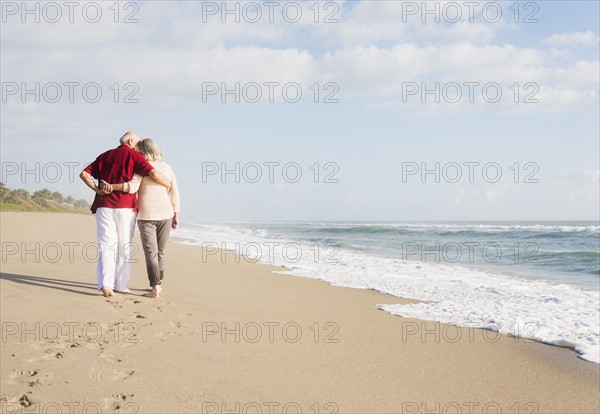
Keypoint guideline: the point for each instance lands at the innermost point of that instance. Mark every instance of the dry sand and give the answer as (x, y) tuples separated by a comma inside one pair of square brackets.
[(292, 344)]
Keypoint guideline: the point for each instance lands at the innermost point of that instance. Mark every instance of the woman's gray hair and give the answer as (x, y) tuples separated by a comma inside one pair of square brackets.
[(148, 148)]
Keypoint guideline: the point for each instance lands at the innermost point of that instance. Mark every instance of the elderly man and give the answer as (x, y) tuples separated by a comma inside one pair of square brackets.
[(116, 211)]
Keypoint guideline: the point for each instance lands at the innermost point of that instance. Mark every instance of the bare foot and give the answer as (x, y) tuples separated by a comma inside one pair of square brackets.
[(126, 290), (107, 291), (155, 292)]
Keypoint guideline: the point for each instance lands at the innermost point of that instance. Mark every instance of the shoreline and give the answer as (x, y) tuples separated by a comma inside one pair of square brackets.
[(238, 334), (497, 299)]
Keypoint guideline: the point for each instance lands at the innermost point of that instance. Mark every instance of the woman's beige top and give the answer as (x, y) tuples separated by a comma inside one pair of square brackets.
[(154, 203)]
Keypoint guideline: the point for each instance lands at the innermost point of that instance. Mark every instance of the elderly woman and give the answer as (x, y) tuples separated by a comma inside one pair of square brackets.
[(158, 212)]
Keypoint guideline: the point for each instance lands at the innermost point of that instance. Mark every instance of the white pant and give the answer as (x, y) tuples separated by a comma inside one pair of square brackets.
[(114, 228)]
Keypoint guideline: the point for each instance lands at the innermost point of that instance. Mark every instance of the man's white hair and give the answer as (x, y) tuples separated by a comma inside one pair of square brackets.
[(126, 137)]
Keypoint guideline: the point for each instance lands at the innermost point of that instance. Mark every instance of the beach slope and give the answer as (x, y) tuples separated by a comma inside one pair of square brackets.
[(231, 336)]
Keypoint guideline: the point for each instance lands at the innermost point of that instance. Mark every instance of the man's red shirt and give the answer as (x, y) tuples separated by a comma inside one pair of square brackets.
[(118, 166)]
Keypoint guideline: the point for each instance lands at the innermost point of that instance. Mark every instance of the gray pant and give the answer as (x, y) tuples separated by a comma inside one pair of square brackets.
[(154, 234)]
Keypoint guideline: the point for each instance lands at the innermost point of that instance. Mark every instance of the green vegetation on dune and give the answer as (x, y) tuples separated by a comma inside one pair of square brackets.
[(41, 200)]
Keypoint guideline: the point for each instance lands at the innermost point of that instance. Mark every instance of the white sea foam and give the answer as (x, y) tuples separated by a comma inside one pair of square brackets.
[(455, 226), (476, 227), (553, 313)]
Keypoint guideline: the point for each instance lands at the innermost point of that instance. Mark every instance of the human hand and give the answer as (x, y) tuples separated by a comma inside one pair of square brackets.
[(100, 192), (175, 221), (105, 188)]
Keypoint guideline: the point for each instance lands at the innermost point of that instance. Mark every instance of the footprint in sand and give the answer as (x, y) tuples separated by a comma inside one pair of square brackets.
[(117, 401), (37, 383), (25, 400), (20, 401), (177, 324), (123, 301), (159, 308), (25, 373), (120, 374), (22, 377), (96, 374), (56, 352), (52, 353), (160, 334), (110, 358), (115, 305)]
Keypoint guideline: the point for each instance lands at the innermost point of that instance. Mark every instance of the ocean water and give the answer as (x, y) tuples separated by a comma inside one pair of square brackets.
[(538, 280)]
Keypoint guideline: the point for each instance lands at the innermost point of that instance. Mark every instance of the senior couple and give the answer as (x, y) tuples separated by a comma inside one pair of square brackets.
[(135, 166)]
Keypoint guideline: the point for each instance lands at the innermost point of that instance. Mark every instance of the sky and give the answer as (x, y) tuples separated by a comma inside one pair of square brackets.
[(306, 110)]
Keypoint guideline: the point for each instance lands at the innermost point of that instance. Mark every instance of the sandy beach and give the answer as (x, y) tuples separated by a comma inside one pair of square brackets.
[(229, 336)]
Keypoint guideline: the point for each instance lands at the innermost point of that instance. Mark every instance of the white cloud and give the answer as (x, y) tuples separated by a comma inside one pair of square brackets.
[(171, 52), (580, 186), (498, 191), (370, 73), (585, 39), (386, 22)]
